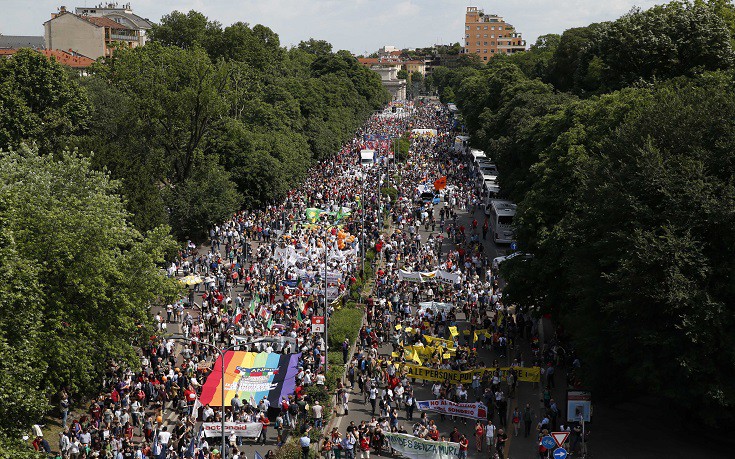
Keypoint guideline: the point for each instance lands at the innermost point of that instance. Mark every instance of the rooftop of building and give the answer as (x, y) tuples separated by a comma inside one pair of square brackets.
[(21, 41), (105, 22), (67, 58)]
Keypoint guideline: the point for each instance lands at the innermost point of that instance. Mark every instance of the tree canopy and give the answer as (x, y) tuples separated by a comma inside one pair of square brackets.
[(77, 280), (624, 193)]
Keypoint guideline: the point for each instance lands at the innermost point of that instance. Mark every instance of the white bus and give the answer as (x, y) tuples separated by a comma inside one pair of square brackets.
[(501, 214)]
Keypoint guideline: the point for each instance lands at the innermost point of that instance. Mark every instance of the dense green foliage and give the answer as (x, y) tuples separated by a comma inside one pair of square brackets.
[(617, 140), (229, 97), (76, 281), (39, 103)]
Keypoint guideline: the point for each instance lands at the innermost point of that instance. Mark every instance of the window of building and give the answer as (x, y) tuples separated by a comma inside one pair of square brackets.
[(492, 50), (478, 51), (492, 43), (466, 27), (485, 27), (484, 36), (484, 58), (484, 43), (493, 27), (478, 27), (467, 36), (478, 43), (484, 51)]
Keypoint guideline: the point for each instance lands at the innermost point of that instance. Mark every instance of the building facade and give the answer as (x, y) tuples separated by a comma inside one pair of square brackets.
[(488, 34), (94, 33), (122, 14)]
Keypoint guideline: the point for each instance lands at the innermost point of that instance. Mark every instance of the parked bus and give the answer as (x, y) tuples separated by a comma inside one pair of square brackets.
[(501, 215)]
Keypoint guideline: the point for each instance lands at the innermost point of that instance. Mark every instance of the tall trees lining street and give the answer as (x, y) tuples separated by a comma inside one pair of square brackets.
[(616, 141)]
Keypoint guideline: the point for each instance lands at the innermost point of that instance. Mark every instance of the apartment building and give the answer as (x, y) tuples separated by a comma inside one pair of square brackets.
[(93, 33), (488, 34)]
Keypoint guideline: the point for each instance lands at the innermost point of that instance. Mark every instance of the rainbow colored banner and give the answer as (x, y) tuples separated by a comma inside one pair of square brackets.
[(252, 376)]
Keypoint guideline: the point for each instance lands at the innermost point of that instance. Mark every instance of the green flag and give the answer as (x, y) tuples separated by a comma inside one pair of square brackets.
[(312, 214), (254, 303), (270, 323)]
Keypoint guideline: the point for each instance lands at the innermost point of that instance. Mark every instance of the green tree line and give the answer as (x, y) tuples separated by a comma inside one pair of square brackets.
[(617, 142)]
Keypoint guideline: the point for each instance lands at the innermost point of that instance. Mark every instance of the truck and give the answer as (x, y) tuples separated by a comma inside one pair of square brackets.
[(367, 158)]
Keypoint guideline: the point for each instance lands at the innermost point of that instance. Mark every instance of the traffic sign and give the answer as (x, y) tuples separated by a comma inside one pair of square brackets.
[(560, 453), (548, 442), (317, 324), (560, 438), (514, 245)]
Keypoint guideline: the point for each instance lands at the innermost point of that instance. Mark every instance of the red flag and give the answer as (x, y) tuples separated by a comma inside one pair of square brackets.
[(305, 311), (441, 183)]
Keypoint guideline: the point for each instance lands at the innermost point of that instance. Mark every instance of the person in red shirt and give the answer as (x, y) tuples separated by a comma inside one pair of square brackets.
[(364, 446), (264, 433), (463, 445)]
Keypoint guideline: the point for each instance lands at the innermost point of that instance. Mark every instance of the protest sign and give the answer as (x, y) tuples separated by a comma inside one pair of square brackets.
[(418, 448), (241, 429), (474, 410)]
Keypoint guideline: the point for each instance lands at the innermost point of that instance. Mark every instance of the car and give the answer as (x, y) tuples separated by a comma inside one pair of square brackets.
[(497, 261), (428, 196)]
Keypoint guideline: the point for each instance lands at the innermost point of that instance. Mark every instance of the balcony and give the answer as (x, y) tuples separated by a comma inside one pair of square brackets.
[(118, 37)]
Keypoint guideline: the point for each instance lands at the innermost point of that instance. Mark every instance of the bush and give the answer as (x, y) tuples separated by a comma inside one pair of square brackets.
[(292, 450), (335, 358), (334, 376), (344, 323)]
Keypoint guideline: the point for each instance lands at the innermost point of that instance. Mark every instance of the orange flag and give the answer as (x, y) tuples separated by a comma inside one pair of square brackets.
[(441, 183)]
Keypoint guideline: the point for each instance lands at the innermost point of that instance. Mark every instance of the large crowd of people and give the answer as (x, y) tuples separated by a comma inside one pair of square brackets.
[(262, 275)]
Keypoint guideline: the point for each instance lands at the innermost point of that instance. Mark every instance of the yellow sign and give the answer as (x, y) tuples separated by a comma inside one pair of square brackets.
[(453, 331), (525, 374), (438, 341)]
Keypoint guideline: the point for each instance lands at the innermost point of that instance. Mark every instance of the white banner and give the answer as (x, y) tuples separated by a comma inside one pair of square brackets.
[(418, 448), (409, 276), (436, 306), (465, 410), (448, 277), (241, 429), (438, 275)]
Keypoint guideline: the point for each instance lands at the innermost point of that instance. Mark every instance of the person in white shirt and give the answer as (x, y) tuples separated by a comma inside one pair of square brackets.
[(164, 437)]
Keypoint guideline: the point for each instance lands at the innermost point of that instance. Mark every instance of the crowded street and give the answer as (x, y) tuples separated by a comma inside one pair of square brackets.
[(435, 326)]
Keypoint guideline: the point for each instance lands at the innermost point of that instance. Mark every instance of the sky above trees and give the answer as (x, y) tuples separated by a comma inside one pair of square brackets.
[(355, 25)]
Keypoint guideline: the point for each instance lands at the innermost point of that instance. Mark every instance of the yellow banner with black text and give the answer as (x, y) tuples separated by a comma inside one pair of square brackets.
[(525, 374)]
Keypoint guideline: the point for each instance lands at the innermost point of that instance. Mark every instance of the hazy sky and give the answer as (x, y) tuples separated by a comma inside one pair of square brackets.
[(356, 25)]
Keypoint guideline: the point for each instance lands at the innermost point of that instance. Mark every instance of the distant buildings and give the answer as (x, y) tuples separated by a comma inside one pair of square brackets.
[(389, 62), (489, 34), (94, 32)]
